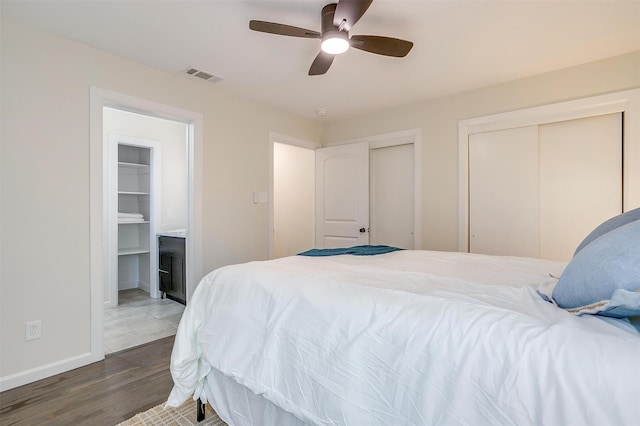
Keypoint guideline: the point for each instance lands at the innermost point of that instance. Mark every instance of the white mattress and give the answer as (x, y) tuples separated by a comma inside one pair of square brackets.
[(404, 338)]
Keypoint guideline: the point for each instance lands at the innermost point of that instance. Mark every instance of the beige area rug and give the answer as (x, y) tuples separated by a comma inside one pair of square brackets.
[(183, 415)]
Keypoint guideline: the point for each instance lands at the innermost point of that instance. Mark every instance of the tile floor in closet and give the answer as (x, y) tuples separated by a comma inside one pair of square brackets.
[(139, 319)]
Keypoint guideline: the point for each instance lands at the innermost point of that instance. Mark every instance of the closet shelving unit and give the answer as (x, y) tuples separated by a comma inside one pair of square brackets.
[(133, 181), (135, 197)]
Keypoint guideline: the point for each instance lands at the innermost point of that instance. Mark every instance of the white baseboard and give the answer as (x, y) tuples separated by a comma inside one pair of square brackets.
[(144, 286), (127, 285), (29, 376)]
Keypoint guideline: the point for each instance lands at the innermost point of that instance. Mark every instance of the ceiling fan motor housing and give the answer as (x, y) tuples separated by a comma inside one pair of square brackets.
[(328, 13)]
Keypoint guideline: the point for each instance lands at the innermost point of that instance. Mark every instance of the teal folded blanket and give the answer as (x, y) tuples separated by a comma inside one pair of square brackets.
[(356, 251)]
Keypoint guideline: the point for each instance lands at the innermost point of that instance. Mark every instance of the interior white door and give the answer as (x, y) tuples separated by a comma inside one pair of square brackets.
[(503, 192), (580, 180), (342, 196), (391, 196)]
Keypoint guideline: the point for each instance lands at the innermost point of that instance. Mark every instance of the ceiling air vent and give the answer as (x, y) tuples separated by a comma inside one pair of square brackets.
[(203, 75)]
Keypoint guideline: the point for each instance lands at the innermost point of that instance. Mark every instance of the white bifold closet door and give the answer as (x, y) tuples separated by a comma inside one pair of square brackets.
[(537, 191)]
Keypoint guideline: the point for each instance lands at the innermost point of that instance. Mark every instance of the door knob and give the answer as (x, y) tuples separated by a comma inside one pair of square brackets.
[(363, 230)]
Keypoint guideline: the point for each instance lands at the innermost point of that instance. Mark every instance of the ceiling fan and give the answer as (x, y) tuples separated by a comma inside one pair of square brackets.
[(337, 20)]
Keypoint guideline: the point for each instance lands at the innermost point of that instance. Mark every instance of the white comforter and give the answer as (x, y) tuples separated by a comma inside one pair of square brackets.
[(408, 338)]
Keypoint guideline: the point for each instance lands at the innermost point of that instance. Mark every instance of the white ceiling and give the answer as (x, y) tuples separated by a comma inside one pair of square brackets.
[(459, 45)]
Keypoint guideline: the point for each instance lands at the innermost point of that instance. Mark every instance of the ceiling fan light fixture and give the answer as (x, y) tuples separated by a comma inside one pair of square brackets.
[(335, 42), (337, 19)]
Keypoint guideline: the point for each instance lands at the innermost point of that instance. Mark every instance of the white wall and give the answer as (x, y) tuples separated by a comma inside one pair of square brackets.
[(438, 119), (173, 169), (45, 189)]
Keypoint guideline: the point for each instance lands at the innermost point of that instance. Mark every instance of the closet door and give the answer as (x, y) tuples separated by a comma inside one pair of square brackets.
[(391, 192), (580, 180), (503, 192), (537, 191)]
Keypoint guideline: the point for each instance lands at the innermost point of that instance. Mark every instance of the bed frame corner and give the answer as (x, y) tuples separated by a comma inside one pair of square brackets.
[(199, 410)]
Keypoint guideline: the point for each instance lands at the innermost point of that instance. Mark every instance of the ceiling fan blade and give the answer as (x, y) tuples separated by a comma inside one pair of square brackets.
[(321, 64), (350, 12), (387, 46), (282, 29)]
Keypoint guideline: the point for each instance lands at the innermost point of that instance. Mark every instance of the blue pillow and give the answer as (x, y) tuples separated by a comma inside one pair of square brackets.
[(604, 277), (609, 225)]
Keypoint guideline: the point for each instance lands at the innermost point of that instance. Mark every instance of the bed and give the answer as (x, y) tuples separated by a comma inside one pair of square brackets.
[(405, 337)]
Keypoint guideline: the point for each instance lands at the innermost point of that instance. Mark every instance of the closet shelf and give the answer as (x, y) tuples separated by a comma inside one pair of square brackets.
[(135, 166), (132, 193), (134, 223), (134, 250)]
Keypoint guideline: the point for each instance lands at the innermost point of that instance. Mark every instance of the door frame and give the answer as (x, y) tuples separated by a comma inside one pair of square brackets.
[(99, 193), (403, 137), (627, 102)]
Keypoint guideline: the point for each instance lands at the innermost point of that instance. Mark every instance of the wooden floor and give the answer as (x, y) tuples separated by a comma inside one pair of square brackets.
[(104, 393)]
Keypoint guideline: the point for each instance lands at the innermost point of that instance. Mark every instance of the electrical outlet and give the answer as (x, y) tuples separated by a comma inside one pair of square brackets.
[(34, 330)]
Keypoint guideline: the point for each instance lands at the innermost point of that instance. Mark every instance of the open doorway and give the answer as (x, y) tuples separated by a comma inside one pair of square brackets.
[(101, 245), (148, 177), (292, 189), (293, 199)]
